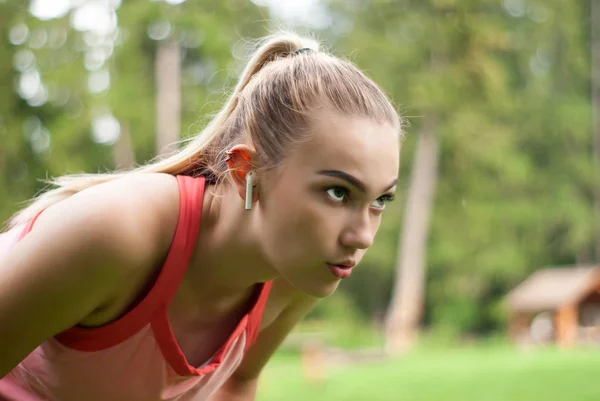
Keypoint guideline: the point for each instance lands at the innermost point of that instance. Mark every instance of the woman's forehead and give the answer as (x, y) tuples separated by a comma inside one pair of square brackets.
[(328, 125), (356, 145)]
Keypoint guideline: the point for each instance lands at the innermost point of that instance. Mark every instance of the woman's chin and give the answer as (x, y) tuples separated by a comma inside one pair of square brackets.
[(315, 285)]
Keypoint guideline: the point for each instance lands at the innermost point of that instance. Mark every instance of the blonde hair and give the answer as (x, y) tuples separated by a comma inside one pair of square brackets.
[(287, 78)]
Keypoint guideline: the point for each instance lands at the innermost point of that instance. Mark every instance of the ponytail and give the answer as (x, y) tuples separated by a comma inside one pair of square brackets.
[(202, 155)]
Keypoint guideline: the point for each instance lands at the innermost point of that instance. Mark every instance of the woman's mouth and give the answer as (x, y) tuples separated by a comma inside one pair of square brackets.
[(342, 270)]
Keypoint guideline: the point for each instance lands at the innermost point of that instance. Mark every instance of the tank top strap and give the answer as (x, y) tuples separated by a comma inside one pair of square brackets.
[(191, 196), (256, 314)]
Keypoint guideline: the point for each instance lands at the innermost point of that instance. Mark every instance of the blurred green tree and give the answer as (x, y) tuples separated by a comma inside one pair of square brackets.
[(85, 81), (512, 110)]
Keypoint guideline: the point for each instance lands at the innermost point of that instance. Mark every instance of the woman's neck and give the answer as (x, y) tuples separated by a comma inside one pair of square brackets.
[(227, 260)]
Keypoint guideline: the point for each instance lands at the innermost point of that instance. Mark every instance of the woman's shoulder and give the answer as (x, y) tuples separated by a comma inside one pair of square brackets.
[(84, 254), (132, 219), (137, 212)]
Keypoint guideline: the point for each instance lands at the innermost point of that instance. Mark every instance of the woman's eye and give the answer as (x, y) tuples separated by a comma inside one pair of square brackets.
[(380, 202), (338, 194)]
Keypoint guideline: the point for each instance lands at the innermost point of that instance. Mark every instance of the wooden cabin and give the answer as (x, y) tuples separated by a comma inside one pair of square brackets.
[(558, 305)]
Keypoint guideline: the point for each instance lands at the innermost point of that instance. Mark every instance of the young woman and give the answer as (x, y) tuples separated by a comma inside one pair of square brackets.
[(179, 279)]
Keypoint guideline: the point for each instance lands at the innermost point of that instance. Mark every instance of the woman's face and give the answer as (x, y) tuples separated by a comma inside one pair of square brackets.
[(320, 211)]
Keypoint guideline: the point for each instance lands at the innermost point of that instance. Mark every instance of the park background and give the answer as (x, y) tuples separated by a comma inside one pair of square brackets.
[(499, 175)]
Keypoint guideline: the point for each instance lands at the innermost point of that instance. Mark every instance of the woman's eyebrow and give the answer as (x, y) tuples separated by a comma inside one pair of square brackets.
[(350, 179)]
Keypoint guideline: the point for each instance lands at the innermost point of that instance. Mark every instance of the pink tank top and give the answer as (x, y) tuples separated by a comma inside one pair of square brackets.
[(135, 358)]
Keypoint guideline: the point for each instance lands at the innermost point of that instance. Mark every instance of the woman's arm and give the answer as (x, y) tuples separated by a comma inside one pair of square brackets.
[(242, 385)]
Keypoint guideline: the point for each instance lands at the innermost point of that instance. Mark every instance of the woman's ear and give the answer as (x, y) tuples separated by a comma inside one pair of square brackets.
[(240, 165)]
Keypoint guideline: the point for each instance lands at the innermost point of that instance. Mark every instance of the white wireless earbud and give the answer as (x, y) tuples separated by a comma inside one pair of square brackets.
[(249, 187)]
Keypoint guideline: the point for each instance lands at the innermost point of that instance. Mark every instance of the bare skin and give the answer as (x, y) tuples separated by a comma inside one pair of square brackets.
[(93, 254)]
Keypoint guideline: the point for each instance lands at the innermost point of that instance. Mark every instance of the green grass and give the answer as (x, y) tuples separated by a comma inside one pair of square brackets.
[(478, 373)]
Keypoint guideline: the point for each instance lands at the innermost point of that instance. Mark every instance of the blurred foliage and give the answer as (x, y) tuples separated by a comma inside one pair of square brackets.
[(511, 87), (510, 84), (70, 78)]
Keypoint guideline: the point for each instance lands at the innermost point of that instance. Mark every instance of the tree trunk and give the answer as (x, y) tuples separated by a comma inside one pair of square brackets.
[(123, 154), (595, 69), (406, 306), (168, 96)]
